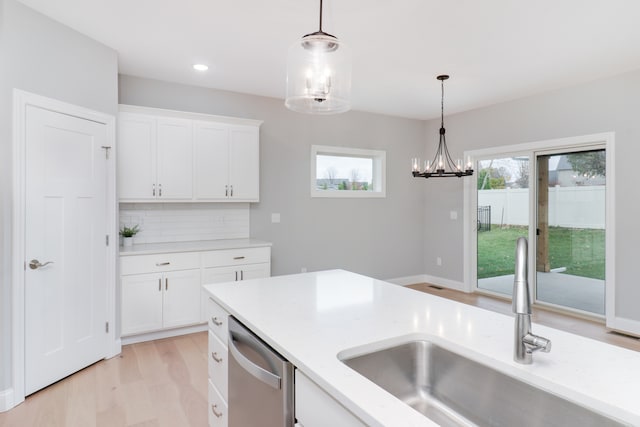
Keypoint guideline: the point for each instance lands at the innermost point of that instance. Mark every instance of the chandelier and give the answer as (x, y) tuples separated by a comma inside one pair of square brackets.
[(319, 74), (442, 165)]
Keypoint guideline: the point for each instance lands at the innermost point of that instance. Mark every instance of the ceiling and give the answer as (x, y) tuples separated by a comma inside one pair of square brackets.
[(494, 50)]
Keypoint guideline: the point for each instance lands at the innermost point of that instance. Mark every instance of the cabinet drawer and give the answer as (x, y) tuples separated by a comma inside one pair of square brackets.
[(218, 413), (218, 320), (138, 264), (218, 364), (315, 408), (235, 257)]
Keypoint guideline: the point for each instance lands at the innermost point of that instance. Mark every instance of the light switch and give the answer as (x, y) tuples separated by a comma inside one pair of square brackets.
[(275, 218)]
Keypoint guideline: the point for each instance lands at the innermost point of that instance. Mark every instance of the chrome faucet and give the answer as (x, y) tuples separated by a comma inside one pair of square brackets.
[(525, 342)]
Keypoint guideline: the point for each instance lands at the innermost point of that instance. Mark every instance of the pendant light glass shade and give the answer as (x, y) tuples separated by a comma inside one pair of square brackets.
[(319, 74)]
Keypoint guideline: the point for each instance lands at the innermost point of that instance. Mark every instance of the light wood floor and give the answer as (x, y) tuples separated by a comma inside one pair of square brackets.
[(156, 383), (578, 326), (164, 382)]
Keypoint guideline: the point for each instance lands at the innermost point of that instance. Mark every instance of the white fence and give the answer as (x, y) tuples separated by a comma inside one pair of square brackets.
[(572, 207)]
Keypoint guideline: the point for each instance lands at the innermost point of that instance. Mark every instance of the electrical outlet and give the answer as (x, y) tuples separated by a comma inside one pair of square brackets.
[(303, 270), (439, 261), (275, 218)]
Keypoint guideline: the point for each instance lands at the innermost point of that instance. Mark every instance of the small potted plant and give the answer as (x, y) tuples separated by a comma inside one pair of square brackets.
[(127, 234)]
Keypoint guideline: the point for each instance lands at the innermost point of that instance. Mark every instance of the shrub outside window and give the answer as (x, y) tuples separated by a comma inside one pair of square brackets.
[(347, 172)]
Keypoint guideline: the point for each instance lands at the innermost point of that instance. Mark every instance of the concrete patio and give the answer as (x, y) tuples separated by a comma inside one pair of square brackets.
[(562, 289)]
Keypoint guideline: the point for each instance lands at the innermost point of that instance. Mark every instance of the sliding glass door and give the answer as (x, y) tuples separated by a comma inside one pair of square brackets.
[(556, 197), (570, 249)]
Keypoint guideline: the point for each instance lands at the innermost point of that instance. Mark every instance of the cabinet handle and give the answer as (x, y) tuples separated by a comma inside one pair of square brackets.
[(232, 191), (216, 413), (160, 190), (166, 283), (154, 190), (216, 321), (215, 357), (238, 257), (236, 276), (160, 284), (160, 264), (241, 274), (226, 191)]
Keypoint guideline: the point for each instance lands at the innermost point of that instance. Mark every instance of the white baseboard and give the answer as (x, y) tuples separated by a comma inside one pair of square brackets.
[(158, 335), (625, 326), (426, 278), (408, 280), (6, 400)]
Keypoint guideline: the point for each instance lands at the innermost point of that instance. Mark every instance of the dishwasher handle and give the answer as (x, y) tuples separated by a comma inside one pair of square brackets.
[(261, 374)]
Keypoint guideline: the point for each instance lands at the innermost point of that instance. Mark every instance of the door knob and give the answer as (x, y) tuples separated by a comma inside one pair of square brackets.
[(34, 264)]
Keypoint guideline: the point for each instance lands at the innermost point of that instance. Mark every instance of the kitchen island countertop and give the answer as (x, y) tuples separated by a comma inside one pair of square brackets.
[(311, 318)]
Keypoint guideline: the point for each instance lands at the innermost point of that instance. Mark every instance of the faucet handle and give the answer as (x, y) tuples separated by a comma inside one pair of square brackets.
[(535, 343)]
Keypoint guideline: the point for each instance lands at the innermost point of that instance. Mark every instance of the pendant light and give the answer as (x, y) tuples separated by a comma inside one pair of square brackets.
[(319, 74), (442, 165)]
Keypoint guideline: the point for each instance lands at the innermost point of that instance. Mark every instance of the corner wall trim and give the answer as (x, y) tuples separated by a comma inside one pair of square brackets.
[(6, 399)]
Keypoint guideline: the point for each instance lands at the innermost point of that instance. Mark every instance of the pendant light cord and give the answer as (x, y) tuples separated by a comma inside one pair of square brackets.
[(320, 15), (441, 103)]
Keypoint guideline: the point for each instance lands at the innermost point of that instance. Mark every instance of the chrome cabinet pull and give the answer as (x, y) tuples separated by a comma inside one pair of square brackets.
[(160, 190), (160, 284), (238, 257), (216, 321), (216, 413), (160, 264), (241, 274), (34, 264), (236, 276), (232, 191), (215, 357), (154, 190), (226, 191), (166, 283)]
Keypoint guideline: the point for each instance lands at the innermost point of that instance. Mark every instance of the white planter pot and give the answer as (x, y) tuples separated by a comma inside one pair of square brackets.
[(127, 241)]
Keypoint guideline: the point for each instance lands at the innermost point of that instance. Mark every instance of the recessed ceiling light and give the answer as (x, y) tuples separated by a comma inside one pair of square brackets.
[(200, 67)]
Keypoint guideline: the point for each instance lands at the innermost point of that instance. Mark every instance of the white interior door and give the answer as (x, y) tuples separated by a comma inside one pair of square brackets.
[(65, 224)]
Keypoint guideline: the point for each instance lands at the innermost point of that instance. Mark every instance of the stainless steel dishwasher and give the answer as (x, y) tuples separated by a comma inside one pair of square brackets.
[(260, 382)]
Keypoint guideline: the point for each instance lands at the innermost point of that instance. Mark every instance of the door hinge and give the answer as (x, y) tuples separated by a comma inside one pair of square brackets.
[(107, 239), (106, 327), (106, 151)]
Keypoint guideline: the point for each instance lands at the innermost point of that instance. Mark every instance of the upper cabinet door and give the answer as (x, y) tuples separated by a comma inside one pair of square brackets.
[(244, 164), (136, 156), (211, 170), (175, 159)]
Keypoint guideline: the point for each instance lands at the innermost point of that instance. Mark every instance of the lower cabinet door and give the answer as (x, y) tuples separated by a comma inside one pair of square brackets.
[(141, 308), (218, 413), (255, 271), (181, 298), (316, 408), (218, 364)]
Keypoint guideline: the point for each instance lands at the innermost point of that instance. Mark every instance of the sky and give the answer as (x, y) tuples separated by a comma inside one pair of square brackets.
[(344, 166)]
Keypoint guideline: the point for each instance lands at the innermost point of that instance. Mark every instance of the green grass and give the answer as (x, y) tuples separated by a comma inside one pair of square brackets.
[(581, 251)]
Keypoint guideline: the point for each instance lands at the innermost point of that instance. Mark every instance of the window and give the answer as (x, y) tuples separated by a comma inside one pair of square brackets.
[(347, 172)]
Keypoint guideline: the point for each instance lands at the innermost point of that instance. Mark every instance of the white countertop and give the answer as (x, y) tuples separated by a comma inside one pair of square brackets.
[(194, 246), (310, 318)]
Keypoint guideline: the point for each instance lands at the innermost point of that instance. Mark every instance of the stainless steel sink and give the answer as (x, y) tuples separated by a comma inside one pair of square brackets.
[(455, 391)]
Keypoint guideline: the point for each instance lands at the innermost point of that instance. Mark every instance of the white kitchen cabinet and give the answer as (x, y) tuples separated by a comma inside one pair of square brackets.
[(227, 162), (154, 297), (316, 408), (218, 364), (155, 158), (177, 156)]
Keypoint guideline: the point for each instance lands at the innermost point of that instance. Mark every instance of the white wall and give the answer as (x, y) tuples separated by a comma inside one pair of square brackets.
[(377, 237), (41, 56), (572, 207), (610, 104)]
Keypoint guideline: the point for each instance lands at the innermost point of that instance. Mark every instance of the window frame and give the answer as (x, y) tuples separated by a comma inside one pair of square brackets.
[(378, 157)]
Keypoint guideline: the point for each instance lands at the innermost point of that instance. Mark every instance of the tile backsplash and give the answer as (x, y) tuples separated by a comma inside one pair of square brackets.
[(183, 222)]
